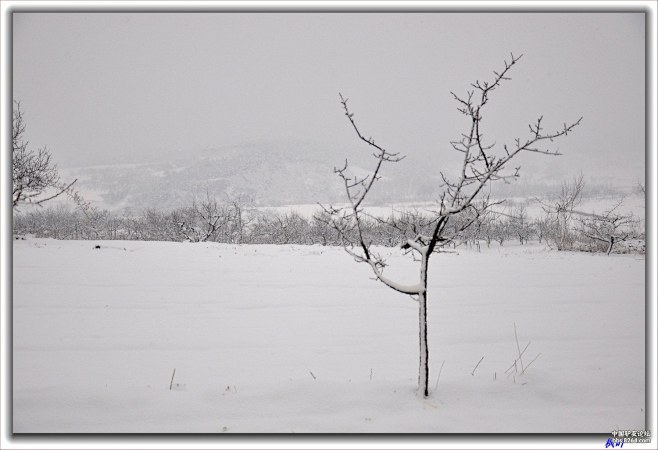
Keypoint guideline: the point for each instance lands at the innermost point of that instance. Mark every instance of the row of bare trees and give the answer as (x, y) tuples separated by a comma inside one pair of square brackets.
[(235, 220)]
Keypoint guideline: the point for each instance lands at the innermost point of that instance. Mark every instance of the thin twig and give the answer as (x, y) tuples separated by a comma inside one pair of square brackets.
[(514, 363), (171, 383), (526, 368), (436, 385), (518, 348), (476, 366), (312, 375)]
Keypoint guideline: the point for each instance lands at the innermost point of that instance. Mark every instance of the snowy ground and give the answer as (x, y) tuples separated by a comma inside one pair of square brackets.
[(298, 339)]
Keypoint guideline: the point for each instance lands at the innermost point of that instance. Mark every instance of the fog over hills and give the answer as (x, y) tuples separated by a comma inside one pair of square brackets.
[(273, 174), (286, 173)]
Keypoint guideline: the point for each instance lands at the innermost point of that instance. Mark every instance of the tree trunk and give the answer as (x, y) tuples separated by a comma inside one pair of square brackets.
[(610, 244), (423, 369)]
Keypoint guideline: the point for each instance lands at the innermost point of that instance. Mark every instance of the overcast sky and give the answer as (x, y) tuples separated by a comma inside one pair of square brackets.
[(117, 87)]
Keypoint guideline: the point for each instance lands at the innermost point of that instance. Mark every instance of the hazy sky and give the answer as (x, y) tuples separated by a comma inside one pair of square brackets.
[(118, 87)]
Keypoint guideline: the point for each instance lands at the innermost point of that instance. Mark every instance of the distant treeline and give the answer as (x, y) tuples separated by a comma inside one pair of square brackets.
[(237, 222)]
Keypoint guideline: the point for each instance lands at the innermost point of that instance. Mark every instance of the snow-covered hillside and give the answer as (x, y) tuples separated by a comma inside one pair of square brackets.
[(272, 173), (290, 339), (283, 173)]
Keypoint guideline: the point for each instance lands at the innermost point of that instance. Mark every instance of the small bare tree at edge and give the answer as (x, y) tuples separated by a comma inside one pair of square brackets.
[(482, 163), (33, 172)]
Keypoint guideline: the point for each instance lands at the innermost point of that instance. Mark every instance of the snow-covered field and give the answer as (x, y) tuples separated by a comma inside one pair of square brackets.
[(298, 339)]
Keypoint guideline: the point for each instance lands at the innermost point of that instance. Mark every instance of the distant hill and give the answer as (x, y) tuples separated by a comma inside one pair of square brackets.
[(273, 174)]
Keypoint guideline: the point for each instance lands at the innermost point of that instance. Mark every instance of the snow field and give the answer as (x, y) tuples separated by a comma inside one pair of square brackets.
[(284, 339)]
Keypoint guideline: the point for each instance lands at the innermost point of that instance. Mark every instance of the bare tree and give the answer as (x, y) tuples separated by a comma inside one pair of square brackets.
[(33, 172), (500, 230), (241, 205), (610, 227), (479, 221), (321, 230), (203, 221), (562, 211), (543, 226), (520, 224), (640, 188), (482, 163)]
